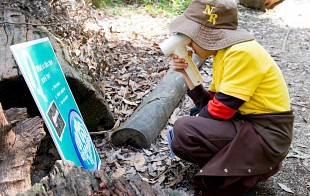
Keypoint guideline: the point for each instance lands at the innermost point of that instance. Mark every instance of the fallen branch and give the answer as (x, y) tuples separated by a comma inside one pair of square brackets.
[(300, 105), (100, 132), (151, 116)]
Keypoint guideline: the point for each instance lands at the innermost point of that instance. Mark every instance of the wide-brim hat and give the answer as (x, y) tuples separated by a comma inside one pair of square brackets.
[(212, 24)]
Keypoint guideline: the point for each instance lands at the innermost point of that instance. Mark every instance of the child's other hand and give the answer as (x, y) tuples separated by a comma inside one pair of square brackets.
[(178, 64)]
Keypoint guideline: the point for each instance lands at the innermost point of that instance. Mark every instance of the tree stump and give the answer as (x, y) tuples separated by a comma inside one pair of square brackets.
[(260, 4), (20, 137), (17, 28)]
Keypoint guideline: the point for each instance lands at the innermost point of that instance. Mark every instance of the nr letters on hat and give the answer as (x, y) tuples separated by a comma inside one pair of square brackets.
[(212, 16)]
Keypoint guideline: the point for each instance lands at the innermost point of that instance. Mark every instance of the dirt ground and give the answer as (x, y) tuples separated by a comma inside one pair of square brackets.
[(285, 33)]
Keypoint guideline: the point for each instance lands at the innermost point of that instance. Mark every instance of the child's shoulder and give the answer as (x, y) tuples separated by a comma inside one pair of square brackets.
[(249, 49), (246, 46)]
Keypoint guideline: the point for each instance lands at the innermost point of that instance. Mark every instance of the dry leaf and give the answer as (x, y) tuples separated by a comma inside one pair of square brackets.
[(164, 132), (147, 152), (136, 160), (159, 158), (131, 171), (163, 168), (129, 102), (118, 173), (178, 179), (151, 171), (112, 156), (161, 179), (285, 188), (139, 160), (174, 116), (142, 169)]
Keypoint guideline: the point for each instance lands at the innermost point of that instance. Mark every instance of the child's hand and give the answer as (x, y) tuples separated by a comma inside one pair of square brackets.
[(178, 64)]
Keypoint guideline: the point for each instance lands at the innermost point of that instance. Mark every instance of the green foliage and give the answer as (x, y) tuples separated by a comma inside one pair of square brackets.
[(178, 6), (174, 7), (97, 3)]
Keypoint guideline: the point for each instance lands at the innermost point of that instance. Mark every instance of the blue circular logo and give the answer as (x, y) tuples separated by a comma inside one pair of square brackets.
[(82, 141)]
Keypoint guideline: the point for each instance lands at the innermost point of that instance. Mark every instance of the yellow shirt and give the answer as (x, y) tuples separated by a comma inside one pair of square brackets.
[(248, 72)]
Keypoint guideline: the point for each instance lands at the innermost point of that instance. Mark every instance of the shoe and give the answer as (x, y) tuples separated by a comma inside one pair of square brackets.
[(193, 111), (170, 135)]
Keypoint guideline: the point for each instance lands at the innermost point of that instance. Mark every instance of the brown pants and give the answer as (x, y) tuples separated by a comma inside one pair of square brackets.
[(198, 139)]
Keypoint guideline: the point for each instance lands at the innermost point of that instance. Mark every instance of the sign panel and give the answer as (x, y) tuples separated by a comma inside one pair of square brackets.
[(50, 90)]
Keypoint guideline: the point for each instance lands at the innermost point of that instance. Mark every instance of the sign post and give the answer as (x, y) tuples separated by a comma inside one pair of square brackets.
[(50, 90)]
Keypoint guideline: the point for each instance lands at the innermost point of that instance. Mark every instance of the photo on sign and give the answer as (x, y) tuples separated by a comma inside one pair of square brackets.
[(56, 119)]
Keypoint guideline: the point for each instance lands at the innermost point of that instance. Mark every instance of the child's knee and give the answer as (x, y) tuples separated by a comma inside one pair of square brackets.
[(181, 124), (182, 131)]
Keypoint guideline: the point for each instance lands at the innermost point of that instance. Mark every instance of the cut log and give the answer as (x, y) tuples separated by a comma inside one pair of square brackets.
[(145, 124), (19, 139), (260, 4), (14, 91)]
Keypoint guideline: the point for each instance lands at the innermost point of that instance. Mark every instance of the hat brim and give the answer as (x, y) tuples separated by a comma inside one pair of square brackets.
[(206, 37)]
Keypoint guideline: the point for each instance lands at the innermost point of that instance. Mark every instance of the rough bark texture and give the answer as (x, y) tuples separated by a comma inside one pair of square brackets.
[(66, 179), (260, 4), (14, 91), (151, 116), (19, 139)]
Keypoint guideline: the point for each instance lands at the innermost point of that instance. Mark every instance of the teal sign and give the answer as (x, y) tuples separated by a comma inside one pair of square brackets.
[(50, 90)]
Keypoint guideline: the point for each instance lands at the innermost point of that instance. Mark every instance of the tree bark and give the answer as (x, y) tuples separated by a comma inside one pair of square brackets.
[(19, 139), (151, 116), (14, 91), (67, 179)]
